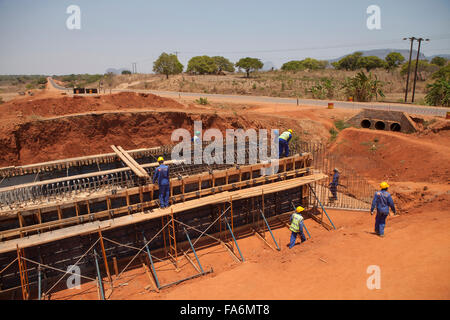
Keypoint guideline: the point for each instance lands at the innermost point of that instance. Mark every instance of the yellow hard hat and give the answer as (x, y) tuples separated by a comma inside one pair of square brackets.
[(290, 130), (160, 159), (299, 209), (384, 185)]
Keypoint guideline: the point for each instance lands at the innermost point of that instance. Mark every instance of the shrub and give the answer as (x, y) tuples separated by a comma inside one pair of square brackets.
[(363, 88), (202, 101), (438, 93)]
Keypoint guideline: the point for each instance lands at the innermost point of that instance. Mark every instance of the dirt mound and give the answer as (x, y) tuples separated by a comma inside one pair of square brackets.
[(87, 134), (32, 109), (392, 156)]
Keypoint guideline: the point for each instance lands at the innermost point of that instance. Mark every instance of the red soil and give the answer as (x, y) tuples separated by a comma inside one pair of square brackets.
[(413, 257)]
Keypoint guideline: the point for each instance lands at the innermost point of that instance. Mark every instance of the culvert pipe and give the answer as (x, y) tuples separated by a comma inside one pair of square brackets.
[(380, 125)]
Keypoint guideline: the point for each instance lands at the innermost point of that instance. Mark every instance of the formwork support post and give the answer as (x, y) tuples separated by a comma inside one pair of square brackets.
[(23, 275), (270, 230), (193, 250), (39, 282), (99, 277), (105, 261), (320, 203), (151, 262), (234, 239)]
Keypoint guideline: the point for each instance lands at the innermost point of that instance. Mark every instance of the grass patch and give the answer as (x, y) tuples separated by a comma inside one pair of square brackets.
[(202, 101)]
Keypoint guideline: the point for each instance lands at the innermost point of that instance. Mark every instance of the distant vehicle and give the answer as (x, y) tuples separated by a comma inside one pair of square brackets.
[(21, 93)]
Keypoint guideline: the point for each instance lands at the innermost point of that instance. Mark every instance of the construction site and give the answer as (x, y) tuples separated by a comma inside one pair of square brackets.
[(76, 195)]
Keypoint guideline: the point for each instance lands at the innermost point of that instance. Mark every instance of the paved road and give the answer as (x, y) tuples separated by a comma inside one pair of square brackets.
[(412, 109), (56, 86), (421, 110)]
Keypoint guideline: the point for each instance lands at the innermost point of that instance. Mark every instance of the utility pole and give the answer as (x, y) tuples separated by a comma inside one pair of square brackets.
[(409, 66), (417, 64)]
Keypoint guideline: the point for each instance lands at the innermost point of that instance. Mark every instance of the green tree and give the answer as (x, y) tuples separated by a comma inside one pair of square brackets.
[(439, 61), (438, 93), (443, 72), (371, 62), (313, 64), (363, 88), (249, 65), (394, 60), (293, 65), (349, 62), (423, 66), (126, 72), (202, 65), (223, 64), (167, 64)]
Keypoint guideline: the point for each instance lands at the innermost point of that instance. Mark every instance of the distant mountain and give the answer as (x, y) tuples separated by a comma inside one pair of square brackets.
[(382, 53), (446, 56), (115, 71)]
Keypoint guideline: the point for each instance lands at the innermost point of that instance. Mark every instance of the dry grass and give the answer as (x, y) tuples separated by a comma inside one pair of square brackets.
[(273, 83)]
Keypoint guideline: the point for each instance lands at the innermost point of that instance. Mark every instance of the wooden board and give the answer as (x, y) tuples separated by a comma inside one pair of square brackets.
[(92, 227)]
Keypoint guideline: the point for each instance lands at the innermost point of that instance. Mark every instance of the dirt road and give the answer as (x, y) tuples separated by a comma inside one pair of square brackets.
[(414, 262)]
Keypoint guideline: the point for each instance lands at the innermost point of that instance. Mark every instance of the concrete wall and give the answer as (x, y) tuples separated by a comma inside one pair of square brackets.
[(384, 120)]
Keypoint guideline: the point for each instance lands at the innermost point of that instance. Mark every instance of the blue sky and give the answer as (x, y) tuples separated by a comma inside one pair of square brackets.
[(34, 38)]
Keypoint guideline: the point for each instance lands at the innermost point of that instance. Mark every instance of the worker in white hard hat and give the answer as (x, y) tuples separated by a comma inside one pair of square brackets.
[(162, 176), (296, 226), (382, 200), (283, 141)]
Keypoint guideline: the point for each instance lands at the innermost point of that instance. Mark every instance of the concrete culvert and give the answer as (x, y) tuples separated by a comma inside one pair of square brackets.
[(396, 127), (366, 123), (380, 125)]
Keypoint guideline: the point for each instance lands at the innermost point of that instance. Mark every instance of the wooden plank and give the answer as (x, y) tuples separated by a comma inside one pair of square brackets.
[(130, 164), (137, 165), (118, 211), (174, 181), (92, 227)]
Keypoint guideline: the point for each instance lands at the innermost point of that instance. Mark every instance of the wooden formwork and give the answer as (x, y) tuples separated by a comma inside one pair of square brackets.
[(72, 226)]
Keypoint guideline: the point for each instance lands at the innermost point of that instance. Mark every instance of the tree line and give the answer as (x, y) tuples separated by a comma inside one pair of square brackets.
[(168, 64)]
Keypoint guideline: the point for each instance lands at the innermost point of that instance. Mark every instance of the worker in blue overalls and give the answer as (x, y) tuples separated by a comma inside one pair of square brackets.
[(382, 200), (283, 141), (334, 184), (296, 226), (162, 176)]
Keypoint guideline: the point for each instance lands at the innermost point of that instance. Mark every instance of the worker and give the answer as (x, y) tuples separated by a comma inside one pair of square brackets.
[(284, 139), (333, 184), (162, 176), (296, 226), (382, 201), (196, 139)]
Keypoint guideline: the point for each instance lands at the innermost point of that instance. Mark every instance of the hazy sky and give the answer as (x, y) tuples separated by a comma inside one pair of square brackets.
[(34, 38)]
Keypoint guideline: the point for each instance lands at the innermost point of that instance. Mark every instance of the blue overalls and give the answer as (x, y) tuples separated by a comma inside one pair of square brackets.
[(334, 184), (382, 200), (283, 141), (162, 176)]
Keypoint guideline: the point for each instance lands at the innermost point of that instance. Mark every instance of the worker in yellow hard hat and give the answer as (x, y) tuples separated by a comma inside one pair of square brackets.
[(162, 176), (296, 226), (283, 141), (382, 200)]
